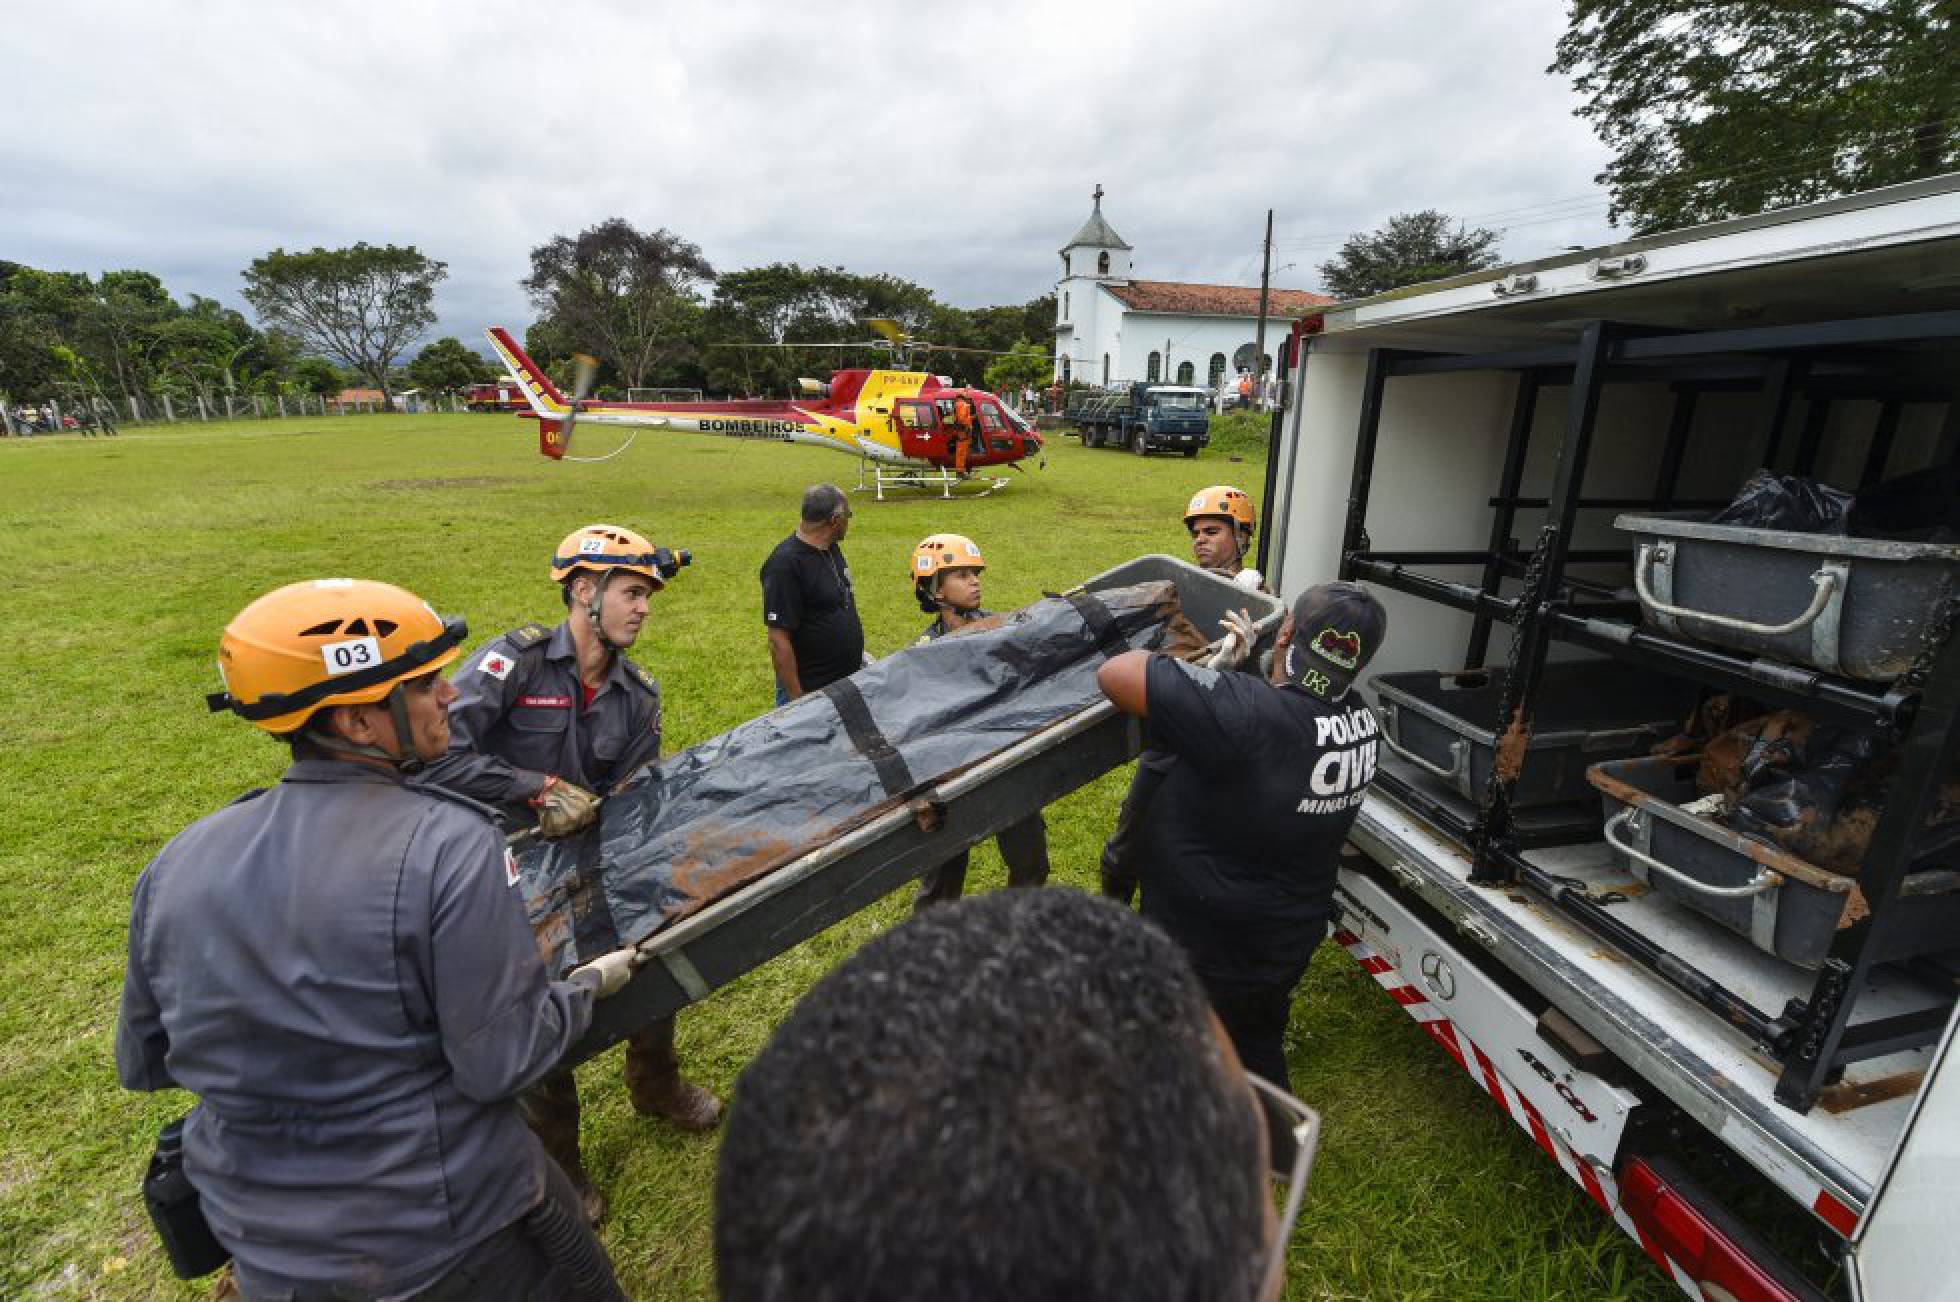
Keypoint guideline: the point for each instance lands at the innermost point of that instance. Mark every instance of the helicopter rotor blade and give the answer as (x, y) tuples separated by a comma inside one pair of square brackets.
[(585, 371)]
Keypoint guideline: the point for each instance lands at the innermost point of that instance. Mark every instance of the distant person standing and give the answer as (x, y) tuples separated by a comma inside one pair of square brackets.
[(815, 636)]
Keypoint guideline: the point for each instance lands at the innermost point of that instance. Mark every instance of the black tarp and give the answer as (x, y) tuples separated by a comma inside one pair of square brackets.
[(723, 813)]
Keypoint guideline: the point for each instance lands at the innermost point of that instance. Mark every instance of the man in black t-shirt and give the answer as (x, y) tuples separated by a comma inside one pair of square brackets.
[(814, 634), (1239, 844)]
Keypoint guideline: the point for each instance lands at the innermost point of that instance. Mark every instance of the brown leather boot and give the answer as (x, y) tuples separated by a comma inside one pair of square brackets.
[(550, 1108), (655, 1083)]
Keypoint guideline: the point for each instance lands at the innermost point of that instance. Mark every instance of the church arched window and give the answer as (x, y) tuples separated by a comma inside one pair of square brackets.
[(1064, 305), (1216, 370), (1105, 378), (1185, 372), (1102, 264), (1065, 375), (1065, 266), (1156, 367)]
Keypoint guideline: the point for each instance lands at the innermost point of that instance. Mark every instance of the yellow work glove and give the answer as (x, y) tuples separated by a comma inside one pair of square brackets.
[(563, 807)]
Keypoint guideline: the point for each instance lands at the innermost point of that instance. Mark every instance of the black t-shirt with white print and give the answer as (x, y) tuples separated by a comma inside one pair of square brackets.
[(1239, 846)]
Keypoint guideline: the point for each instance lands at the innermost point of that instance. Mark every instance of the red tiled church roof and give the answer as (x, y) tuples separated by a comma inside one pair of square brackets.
[(1213, 300)]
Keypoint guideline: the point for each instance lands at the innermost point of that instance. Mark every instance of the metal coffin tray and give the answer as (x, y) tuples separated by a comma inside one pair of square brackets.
[(1784, 905), (1444, 722), (1852, 606), (698, 954)]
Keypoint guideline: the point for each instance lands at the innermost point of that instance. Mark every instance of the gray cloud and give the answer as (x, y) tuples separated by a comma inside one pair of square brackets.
[(952, 145)]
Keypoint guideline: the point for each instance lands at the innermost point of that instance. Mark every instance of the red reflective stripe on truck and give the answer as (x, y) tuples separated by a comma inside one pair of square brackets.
[(1834, 1213)]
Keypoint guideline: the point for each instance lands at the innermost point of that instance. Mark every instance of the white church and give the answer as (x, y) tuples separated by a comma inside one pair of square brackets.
[(1112, 329)]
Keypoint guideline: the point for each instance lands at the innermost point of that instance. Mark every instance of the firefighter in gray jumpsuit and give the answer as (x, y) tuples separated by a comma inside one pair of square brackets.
[(544, 720), (339, 969)]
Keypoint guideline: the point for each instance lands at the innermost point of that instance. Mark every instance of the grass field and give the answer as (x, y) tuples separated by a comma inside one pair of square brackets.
[(124, 558)]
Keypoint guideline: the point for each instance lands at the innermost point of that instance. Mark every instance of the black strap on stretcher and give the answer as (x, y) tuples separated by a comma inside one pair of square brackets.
[(871, 743), (1102, 625)]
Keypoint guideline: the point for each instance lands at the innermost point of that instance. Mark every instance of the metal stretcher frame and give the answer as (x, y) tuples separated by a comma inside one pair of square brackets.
[(705, 951), (690, 959)]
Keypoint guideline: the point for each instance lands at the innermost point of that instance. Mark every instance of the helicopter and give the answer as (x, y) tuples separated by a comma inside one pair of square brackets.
[(905, 426)]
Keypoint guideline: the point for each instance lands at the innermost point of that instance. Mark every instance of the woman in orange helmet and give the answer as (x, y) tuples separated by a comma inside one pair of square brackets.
[(946, 570)]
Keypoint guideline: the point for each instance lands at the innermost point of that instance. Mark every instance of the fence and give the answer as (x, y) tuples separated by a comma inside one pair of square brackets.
[(101, 416)]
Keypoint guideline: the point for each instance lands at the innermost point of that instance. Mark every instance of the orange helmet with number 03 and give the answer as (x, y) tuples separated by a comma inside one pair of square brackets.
[(1225, 500), (328, 642), (945, 551), (603, 547)]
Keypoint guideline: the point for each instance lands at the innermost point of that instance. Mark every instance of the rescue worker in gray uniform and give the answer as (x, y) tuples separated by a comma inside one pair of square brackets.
[(339, 970), (946, 582), (544, 721), (1220, 520)]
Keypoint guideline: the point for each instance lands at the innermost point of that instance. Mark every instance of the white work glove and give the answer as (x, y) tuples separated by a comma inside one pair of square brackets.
[(1237, 642), (563, 807), (612, 971), (1249, 579)]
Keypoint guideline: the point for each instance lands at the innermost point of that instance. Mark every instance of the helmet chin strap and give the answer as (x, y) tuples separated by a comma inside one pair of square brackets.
[(592, 611), (406, 762)]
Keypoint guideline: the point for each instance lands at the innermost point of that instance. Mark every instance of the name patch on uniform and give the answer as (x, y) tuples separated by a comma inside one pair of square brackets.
[(497, 665), (555, 702)]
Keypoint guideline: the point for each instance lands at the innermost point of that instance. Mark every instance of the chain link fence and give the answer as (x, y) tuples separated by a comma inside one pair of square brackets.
[(90, 415)]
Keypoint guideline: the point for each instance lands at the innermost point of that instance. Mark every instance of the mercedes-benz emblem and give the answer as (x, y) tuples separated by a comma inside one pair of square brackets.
[(1437, 976)]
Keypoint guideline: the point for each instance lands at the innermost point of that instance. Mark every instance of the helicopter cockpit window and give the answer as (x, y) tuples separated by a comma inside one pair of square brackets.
[(990, 418)]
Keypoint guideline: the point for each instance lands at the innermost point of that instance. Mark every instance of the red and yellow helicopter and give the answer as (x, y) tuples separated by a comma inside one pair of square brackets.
[(907, 426)]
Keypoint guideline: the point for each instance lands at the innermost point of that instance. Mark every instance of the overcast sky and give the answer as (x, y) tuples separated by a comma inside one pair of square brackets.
[(954, 145)]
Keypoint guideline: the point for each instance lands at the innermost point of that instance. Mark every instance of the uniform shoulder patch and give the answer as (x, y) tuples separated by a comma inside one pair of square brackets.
[(642, 677), (522, 639)]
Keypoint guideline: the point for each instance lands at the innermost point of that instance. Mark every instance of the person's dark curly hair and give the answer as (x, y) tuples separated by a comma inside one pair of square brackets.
[(1017, 1096)]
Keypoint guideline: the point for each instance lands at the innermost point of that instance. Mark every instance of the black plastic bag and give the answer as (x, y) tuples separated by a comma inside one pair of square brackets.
[(1768, 500), (1923, 506), (718, 815)]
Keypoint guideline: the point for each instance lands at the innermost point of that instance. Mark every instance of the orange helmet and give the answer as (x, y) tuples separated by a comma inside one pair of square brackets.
[(603, 547), (1225, 500), (945, 551), (328, 642)]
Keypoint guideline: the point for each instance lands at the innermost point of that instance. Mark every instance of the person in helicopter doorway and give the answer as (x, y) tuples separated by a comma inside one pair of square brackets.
[(946, 571), (964, 430)]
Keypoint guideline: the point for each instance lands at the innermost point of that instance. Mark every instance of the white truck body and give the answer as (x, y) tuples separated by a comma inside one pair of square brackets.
[(1875, 1164)]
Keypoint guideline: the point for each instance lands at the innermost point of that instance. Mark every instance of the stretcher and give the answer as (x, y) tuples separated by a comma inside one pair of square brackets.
[(689, 958)]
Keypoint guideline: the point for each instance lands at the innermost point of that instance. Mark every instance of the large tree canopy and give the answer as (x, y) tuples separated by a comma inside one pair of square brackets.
[(361, 306), (630, 298), (1412, 247), (446, 366), (1717, 108)]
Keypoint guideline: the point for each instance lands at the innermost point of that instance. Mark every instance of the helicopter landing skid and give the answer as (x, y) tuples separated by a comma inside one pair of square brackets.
[(949, 483)]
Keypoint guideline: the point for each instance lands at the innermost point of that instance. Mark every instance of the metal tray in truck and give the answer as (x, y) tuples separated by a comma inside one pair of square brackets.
[(697, 954), (1444, 722), (1786, 906), (1852, 606)]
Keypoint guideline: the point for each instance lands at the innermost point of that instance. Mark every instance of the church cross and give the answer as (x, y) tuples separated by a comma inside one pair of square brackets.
[(1099, 193)]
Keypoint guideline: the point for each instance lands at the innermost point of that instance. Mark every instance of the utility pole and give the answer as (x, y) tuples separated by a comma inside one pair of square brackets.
[(1265, 294), (1166, 376)]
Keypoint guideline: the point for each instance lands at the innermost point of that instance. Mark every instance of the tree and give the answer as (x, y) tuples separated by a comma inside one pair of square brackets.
[(317, 376), (631, 298), (1718, 108), (360, 306), (1026, 365), (1411, 248), (446, 366)]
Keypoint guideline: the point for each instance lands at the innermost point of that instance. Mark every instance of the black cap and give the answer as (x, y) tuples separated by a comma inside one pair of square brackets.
[(1337, 628)]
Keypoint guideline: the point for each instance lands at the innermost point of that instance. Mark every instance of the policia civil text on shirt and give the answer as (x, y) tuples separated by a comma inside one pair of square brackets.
[(946, 569), (1221, 521), (340, 970), (815, 636), (1238, 846), (542, 723)]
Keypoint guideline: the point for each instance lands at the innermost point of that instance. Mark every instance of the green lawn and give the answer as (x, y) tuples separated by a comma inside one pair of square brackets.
[(125, 557)]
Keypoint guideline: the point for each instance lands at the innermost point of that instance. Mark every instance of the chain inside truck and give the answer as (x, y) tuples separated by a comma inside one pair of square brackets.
[(1663, 852)]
